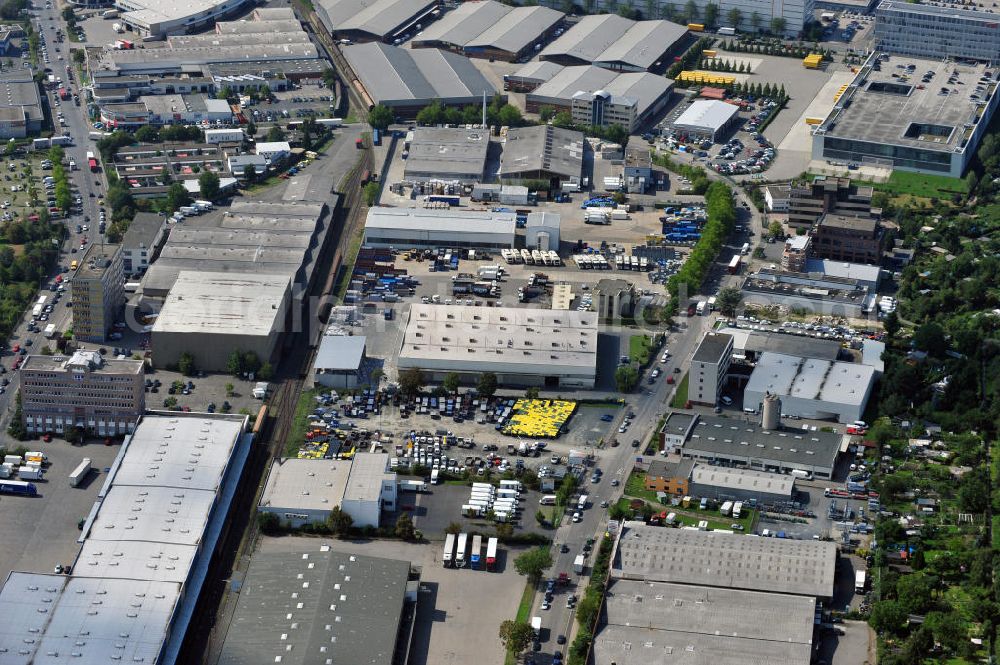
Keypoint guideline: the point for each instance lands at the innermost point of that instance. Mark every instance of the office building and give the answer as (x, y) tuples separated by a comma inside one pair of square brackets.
[(447, 154), (304, 491), (543, 152), (706, 120), (142, 242), (810, 387), (808, 202), (675, 431), (489, 29), (669, 477), (638, 175), (931, 125), (103, 396), (311, 605), (796, 253), (98, 290), (407, 80), (371, 489), (523, 347), (777, 197), (459, 227), (653, 622), (339, 362), (147, 546), (21, 112), (159, 19), (211, 314), (725, 561), (938, 30), (709, 368), (859, 239), (810, 292), (715, 440)]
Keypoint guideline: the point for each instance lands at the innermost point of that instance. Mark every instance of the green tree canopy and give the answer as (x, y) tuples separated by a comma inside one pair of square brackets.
[(487, 385), (380, 117), (533, 563), (516, 636), (208, 185)]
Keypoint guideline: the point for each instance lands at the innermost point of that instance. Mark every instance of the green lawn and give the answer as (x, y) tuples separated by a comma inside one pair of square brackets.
[(640, 347), (919, 184), (300, 423), (635, 487), (523, 616), (681, 396)]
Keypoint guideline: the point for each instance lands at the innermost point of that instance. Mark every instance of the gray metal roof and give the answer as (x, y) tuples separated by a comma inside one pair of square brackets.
[(645, 88), (305, 484), (420, 219), (747, 480), (142, 230), (463, 24), (698, 625), (811, 378), (315, 605), (706, 114), (537, 70), (726, 560), (589, 38), (758, 341), (445, 152), (543, 148), (340, 352), (397, 76), (224, 303), (643, 44), (378, 18), (831, 268), (516, 31)]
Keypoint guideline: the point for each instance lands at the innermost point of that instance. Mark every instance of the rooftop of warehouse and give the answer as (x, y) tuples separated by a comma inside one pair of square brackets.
[(305, 55), (445, 220), (367, 473), (514, 32), (390, 73), (262, 35), (643, 87), (643, 44), (749, 480), (224, 303), (143, 229), (538, 70), (136, 560), (376, 17), (709, 113), (543, 148), (446, 150), (896, 105), (680, 624), (340, 352), (589, 38), (464, 23), (811, 378), (314, 605), (757, 341), (161, 11), (797, 285), (725, 560), (740, 438), (305, 484)]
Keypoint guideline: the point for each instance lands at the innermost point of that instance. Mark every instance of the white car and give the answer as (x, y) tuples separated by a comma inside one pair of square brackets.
[(577, 517)]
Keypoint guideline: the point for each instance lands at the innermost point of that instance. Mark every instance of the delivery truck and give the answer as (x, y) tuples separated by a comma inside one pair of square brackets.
[(50, 331), (79, 473), (578, 564), (860, 579)]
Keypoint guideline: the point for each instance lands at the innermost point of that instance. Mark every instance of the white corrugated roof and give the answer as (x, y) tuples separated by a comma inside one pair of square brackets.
[(707, 114)]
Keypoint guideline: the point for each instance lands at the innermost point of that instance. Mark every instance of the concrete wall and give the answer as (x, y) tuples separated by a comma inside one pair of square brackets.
[(364, 513), (210, 351), (296, 517)]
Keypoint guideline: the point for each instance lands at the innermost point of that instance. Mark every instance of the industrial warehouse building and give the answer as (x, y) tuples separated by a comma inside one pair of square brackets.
[(339, 362), (725, 560), (750, 344), (312, 604), (935, 31), (374, 20), (211, 314), (933, 128), (543, 152), (724, 483), (810, 292), (613, 42), (158, 18), (706, 119), (654, 622), (597, 96), (810, 387), (523, 347), (741, 443), (407, 80), (447, 155), (147, 545), (419, 227), (542, 231), (489, 29)]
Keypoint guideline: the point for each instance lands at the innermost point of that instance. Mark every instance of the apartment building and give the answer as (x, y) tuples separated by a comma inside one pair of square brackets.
[(795, 254), (669, 477), (709, 367), (854, 239), (142, 242), (808, 202), (98, 290), (86, 390), (938, 30)]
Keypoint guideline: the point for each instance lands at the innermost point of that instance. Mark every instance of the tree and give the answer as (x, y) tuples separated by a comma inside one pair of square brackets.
[(775, 229), (887, 616), (451, 381), (974, 491), (411, 381), (230, 388), (711, 14), (504, 531), (626, 378), (269, 522), (756, 21), (533, 563), (545, 113), (251, 128), (370, 193), (778, 25), (616, 134), (915, 592), (930, 338), (249, 173), (453, 527), (690, 11), (563, 119), (404, 527), (380, 117), (177, 197), (516, 636), (531, 393), (891, 324), (329, 77), (540, 517), (510, 116), (266, 372), (147, 134), (234, 363), (339, 521), (208, 185), (728, 300), (949, 630), (276, 133), (432, 114), (185, 364), (487, 385), (735, 17)]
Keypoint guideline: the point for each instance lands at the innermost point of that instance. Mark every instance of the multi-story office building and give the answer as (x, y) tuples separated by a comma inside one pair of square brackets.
[(142, 241), (795, 254), (709, 367), (848, 238), (807, 203), (98, 290), (86, 390), (938, 30), (603, 109)]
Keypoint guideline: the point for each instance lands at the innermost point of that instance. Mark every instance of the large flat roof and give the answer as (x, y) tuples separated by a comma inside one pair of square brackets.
[(49, 619), (680, 624), (713, 348), (859, 271), (734, 438), (543, 148), (142, 230), (758, 341), (811, 378), (446, 220), (615, 41), (224, 303), (747, 480), (305, 484), (367, 473), (315, 605), (394, 75), (938, 116), (153, 513), (726, 560), (447, 152), (517, 339), (645, 88), (136, 560), (340, 352), (378, 18), (706, 114)]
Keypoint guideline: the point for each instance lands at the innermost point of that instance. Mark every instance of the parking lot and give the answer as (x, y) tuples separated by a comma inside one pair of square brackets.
[(41, 532), (435, 510), (459, 610)]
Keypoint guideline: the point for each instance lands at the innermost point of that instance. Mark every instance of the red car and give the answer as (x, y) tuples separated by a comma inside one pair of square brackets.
[(16, 348), (58, 279), (46, 438)]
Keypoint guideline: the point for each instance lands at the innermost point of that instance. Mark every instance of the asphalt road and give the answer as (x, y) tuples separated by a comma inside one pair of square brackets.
[(84, 182)]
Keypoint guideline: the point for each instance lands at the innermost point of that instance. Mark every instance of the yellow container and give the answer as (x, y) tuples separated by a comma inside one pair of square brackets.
[(696, 27), (814, 121), (708, 53)]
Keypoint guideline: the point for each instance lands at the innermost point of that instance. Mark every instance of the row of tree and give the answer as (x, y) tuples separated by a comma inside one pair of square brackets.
[(721, 212)]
